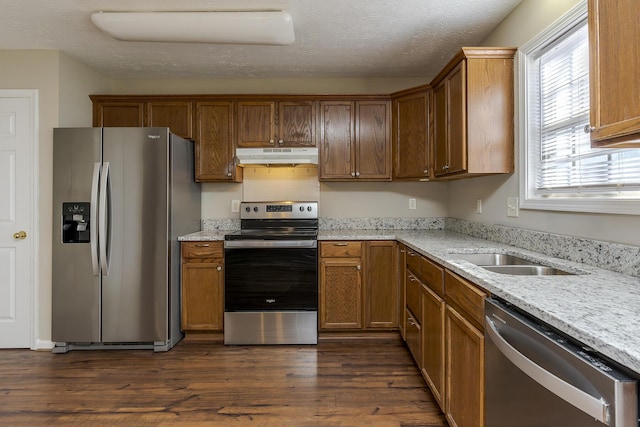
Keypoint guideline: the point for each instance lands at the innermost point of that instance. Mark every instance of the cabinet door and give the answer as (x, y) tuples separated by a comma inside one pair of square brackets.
[(457, 138), (433, 347), (614, 60), (177, 116), (440, 129), (340, 293), (464, 389), (118, 114), (410, 137), (256, 124), (202, 296), (337, 143), (373, 143), (381, 285), (414, 337), (214, 155), (296, 124)]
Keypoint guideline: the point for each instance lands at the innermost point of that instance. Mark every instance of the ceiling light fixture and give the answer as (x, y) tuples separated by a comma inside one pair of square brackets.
[(252, 27)]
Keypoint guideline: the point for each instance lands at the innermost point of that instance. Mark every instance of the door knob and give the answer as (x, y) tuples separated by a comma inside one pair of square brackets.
[(20, 235)]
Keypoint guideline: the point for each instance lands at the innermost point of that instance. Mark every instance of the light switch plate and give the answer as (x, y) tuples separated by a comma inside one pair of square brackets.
[(412, 203), (512, 207), (235, 206)]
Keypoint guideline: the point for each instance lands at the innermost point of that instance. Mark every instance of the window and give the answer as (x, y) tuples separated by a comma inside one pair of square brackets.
[(561, 170)]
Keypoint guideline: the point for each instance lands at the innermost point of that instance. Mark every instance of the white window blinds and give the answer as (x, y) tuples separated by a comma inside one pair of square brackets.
[(565, 163)]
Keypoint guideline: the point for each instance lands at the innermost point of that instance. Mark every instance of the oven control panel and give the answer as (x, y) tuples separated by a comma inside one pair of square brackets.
[(278, 210)]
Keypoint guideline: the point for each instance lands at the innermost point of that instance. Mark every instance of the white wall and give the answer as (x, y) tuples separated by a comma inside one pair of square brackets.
[(527, 20)]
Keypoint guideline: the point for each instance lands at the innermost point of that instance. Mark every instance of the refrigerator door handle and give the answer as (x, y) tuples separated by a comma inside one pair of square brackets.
[(105, 211), (93, 218)]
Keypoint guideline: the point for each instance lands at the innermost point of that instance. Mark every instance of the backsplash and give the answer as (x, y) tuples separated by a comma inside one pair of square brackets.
[(381, 223), (276, 183), (616, 257)]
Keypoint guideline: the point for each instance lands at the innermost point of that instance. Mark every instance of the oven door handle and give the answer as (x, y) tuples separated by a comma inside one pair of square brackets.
[(245, 244), (597, 408)]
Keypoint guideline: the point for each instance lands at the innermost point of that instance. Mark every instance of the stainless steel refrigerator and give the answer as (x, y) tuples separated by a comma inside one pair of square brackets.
[(121, 198)]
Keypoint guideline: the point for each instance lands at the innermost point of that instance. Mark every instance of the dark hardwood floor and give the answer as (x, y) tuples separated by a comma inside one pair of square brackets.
[(348, 383)]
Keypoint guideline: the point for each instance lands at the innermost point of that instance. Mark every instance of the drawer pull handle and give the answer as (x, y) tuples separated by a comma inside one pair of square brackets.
[(411, 253), (339, 244), (206, 245), (412, 279)]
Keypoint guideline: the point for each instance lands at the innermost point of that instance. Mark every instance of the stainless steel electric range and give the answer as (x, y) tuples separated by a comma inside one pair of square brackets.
[(271, 275)]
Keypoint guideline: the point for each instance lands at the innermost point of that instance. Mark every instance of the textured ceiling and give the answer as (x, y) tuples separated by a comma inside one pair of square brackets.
[(334, 38)]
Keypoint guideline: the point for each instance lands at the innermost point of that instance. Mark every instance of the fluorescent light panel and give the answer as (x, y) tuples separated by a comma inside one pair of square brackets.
[(262, 28)]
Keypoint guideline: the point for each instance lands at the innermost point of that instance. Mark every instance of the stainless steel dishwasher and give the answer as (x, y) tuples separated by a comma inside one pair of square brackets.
[(536, 377)]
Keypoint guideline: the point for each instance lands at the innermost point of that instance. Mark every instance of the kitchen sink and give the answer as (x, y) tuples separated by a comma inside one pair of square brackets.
[(527, 270), (494, 259), (511, 264)]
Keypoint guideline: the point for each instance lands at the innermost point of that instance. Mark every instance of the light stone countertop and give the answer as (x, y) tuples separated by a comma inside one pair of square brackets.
[(598, 307)]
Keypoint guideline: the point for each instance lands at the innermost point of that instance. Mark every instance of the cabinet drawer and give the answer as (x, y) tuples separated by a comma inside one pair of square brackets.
[(341, 249), (413, 261), (432, 275), (414, 302), (466, 297), (202, 250), (414, 337)]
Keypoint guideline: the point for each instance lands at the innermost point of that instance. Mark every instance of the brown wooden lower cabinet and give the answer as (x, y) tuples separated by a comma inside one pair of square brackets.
[(358, 285), (433, 343), (451, 356), (464, 401), (202, 287)]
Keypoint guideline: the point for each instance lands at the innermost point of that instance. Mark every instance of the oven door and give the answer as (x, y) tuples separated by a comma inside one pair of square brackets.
[(271, 275)]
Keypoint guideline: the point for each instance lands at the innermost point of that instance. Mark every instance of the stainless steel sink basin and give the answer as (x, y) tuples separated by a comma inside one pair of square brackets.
[(510, 264), (494, 259), (527, 270)]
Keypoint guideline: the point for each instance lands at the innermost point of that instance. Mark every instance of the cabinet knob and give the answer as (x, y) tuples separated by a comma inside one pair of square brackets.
[(280, 142), (353, 174), (426, 171), (589, 128), (412, 279), (219, 268), (402, 251), (359, 267), (357, 173), (410, 253), (229, 174), (271, 141), (445, 167)]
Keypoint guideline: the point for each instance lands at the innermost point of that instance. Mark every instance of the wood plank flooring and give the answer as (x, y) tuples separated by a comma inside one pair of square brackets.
[(370, 383)]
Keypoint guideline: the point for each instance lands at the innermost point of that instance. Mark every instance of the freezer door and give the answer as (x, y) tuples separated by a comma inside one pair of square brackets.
[(135, 241), (75, 287)]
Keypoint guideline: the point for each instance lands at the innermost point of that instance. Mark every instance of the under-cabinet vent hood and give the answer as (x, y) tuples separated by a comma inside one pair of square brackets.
[(277, 156)]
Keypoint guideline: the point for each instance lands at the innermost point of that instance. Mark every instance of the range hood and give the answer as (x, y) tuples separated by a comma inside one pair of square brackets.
[(277, 156)]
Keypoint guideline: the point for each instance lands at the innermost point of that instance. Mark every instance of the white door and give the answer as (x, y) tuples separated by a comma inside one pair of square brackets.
[(17, 217)]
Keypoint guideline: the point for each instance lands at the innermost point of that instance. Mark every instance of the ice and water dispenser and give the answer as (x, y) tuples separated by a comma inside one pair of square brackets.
[(76, 227)]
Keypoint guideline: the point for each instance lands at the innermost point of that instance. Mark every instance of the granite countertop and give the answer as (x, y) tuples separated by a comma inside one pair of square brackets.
[(598, 307), (202, 236)]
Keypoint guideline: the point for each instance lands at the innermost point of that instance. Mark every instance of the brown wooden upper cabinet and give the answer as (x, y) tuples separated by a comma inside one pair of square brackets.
[(214, 156), (276, 124), (411, 159), (473, 114), (118, 114), (355, 140), (176, 115), (614, 62)]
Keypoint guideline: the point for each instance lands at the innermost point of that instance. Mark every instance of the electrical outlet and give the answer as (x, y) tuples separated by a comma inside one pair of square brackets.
[(479, 206), (235, 206), (512, 207), (412, 203)]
